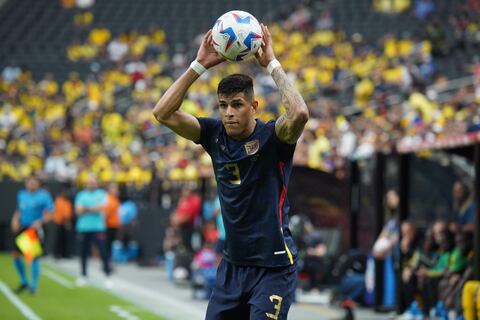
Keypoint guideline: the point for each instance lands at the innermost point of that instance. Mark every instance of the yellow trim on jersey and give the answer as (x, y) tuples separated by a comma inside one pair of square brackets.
[(289, 253)]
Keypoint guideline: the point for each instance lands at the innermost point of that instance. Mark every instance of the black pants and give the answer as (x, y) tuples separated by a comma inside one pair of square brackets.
[(186, 232), (111, 236), (62, 242), (99, 238), (409, 289), (430, 293), (315, 267)]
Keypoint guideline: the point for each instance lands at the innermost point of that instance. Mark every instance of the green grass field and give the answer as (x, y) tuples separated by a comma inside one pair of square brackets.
[(56, 301)]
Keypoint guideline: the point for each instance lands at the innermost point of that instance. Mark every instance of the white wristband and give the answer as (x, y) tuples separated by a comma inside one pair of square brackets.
[(272, 65), (197, 67)]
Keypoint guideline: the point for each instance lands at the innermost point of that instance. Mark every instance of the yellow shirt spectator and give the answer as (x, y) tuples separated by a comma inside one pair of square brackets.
[(315, 150), (405, 47), (393, 75), (363, 91), (83, 19), (73, 88), (418, 101), (99, 36)]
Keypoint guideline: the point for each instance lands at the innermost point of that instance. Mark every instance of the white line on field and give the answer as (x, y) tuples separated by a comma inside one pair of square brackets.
[(58, 278), (24, 309), (122, 313), (157, 297)]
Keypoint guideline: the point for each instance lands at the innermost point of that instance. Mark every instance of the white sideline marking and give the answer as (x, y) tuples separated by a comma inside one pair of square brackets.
[(164, 298), (122, 313), (161, 302), (58, 278), (147, 293), (24, 309)]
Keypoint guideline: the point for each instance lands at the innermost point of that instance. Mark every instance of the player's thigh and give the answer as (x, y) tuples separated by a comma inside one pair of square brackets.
[(226, 301), (273, 295), (227, 310)]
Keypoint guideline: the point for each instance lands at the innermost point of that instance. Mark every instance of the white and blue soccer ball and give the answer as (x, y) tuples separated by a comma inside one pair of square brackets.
[(237, 35)]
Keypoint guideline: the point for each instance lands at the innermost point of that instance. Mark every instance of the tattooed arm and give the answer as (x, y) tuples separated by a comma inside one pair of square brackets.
[(289, 126)]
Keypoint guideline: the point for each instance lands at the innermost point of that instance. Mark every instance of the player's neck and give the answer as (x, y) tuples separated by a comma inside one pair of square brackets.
[(247, 132)]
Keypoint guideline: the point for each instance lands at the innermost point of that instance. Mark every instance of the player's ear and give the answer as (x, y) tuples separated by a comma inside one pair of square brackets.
[(254, 105)]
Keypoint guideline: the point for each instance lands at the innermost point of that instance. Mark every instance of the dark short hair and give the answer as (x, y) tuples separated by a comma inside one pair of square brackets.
[(234, 84)]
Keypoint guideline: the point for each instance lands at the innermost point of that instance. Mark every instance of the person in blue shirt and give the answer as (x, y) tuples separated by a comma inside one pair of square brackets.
[(252, 161), (34, 205), (91, 227)]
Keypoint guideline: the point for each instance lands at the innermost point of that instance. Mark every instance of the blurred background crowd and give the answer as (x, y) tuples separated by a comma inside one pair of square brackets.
[(364, 94), (375, 74)]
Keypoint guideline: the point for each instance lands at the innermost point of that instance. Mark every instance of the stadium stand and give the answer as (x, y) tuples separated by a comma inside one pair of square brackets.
[(373, 69), (78, 85)]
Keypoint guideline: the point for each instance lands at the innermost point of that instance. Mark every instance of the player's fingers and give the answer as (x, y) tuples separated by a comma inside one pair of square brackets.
[(206, 36), (266, 34), (264, 29), (269, 36)]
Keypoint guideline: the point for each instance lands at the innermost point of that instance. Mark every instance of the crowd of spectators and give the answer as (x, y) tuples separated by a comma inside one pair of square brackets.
[(432, 260), (66, 130)]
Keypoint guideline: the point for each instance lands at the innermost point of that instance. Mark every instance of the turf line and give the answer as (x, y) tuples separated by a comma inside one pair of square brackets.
[(22, 307), (57, 278)]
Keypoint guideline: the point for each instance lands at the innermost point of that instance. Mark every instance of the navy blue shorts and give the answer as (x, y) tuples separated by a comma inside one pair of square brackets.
[(256, 293)]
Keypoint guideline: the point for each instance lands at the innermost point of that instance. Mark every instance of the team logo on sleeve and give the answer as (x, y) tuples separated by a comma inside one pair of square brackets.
[(251, 147)]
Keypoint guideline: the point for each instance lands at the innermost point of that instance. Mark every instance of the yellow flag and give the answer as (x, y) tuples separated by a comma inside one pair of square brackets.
[(29, 243)]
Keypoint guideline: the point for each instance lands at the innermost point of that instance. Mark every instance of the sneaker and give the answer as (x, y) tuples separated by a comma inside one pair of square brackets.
[(452, 315), (81, 282), (108, 284), (21, 288), (440, 311), (412, 313), (32, 291)]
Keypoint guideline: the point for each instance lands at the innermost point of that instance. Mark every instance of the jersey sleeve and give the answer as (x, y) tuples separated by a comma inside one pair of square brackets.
[(285, 150), (47, 201), (79, 200), (103, 198), (207, 129)]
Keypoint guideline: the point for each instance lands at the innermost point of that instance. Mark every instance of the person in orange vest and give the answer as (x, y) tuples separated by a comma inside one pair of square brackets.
[(112, 216), (62, 216)]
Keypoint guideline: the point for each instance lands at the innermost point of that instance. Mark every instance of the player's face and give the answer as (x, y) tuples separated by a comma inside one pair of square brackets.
[(32, 184), (91, 183), (237, 113)]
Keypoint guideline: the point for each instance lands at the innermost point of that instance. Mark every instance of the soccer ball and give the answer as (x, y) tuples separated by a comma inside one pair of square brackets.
[(237, 35)]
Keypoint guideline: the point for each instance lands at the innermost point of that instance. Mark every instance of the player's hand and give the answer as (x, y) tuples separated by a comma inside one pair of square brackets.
[(37, 224), (265, 54), (15, 225), (207, 56)]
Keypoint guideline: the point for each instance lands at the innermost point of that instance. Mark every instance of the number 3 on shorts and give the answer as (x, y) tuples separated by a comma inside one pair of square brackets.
[(277, 307)]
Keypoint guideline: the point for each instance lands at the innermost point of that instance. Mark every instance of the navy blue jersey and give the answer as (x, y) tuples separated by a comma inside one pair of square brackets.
[(252, 177)]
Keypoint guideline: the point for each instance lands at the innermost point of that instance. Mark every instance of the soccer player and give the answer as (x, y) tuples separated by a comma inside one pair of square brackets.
[(252, 162), (34, 205)]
